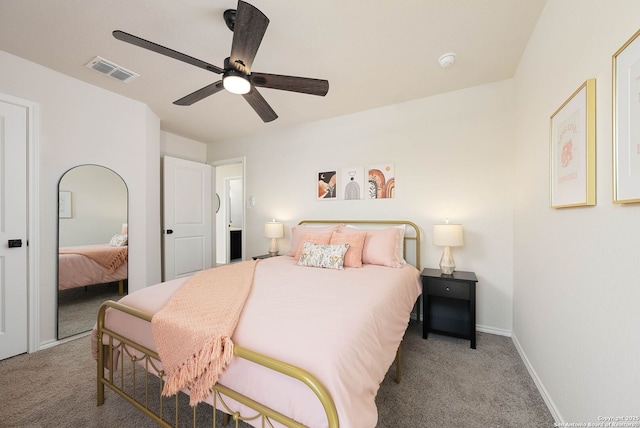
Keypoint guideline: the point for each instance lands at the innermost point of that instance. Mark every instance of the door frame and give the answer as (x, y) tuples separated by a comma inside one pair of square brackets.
[(214, 164), (33, 217)]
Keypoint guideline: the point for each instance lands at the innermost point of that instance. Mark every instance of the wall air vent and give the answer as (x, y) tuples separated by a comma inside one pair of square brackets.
[(111, 69)]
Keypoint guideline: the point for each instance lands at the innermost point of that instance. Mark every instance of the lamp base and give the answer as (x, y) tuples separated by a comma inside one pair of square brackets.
[(273, 248), (447, 265)]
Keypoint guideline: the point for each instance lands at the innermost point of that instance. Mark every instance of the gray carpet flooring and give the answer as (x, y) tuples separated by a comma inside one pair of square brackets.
[(77, 307), (445, 384)]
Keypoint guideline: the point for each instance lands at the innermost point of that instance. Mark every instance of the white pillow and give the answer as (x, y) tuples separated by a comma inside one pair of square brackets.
[(118, 240), (323, 255)]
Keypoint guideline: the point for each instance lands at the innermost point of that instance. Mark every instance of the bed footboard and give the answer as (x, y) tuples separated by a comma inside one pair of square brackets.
[(119, 350)]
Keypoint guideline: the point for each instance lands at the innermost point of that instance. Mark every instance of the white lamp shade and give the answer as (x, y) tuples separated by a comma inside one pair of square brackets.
[(447, 235), (273, 229)]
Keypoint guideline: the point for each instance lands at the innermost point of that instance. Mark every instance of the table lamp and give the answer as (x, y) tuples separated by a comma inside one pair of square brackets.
[(447, 236), (273, 230)]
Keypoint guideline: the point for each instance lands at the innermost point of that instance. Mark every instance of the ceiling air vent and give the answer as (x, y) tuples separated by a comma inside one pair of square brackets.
[(111, 69)]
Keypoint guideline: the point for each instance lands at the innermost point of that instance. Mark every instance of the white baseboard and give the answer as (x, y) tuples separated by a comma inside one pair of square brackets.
[(493, 330), (482, 328), (543, 392), (52, 343), (47, 344)]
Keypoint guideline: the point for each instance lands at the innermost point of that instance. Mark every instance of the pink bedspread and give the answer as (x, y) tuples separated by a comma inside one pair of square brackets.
[(108, 256), (344, 327), (76, 270)]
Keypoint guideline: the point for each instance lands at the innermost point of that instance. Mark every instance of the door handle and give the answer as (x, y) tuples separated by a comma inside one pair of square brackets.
[(15, 243), (169, 231)]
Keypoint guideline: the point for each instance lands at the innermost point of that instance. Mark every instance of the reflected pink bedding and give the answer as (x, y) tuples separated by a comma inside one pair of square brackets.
[(344, 327), (76, 270)]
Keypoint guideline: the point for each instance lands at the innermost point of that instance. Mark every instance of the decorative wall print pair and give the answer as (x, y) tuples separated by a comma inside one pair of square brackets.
[(350, 183), (572, 151)]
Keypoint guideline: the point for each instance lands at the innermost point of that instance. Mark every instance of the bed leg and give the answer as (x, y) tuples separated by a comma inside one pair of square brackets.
[(100, 365), (225, 419), (121, 287), (399, 364)]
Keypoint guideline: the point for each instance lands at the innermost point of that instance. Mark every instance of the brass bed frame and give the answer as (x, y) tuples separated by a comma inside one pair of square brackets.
[(118, 349)]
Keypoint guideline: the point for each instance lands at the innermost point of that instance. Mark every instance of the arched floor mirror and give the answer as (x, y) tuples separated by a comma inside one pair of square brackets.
[(92, 245)]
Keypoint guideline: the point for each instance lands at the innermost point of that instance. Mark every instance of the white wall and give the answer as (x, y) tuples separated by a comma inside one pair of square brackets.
[(576, 270), (98, 206), (182, 148), (453, 158), (82, 124)]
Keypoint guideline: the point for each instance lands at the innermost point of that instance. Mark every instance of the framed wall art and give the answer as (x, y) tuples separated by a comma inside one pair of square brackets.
[(573, 149), (64, 204), (327, 185), (626, 122), (352, 184), (382, 181)]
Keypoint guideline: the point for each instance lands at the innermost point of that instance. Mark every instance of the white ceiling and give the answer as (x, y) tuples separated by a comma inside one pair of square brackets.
[(372, 52)]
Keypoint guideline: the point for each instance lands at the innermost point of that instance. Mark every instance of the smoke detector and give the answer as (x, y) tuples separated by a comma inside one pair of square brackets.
[(110, 69), (447, 60)]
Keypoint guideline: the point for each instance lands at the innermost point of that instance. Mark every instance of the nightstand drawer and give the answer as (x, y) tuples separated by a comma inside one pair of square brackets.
[(444, 288)]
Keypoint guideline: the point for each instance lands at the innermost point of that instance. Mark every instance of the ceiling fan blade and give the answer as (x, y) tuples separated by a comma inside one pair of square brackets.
[(200, 94), (250, 26), (303, 85), (260, 105), (146, 44)]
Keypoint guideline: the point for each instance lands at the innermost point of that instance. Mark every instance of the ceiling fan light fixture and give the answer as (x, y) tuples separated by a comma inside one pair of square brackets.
[(236, 82)]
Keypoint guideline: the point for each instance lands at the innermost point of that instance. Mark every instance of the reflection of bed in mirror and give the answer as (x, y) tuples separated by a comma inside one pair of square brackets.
[(87, 265)]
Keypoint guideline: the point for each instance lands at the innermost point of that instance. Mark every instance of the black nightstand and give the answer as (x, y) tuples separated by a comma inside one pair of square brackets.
[(449, 304), (264, 256)]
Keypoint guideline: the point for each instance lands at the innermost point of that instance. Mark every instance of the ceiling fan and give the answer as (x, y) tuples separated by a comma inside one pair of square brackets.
[(248, 25)]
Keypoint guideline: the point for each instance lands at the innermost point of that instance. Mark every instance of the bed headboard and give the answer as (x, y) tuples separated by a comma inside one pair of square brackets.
[(411, 234)]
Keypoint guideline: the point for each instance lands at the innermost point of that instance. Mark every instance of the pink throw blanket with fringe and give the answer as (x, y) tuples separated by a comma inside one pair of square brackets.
[(193, 330), (107, 256)]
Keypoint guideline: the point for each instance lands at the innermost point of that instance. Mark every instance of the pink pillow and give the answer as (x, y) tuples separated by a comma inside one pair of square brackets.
[(381, 246), (353, 256), (297, 232), (313, 238)]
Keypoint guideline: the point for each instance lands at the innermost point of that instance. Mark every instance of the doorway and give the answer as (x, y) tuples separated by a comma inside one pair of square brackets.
[(230, 215)]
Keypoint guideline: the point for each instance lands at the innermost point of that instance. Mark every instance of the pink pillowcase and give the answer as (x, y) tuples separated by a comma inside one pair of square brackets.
[(353, 256), (381, 246), (297, 232), (313, 238)]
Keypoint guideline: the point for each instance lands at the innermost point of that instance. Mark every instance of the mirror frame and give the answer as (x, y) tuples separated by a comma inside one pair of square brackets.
[(57, 291)]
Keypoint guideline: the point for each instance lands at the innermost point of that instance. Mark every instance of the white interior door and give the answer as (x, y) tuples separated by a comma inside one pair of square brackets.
[(13, 230), (187, 217)]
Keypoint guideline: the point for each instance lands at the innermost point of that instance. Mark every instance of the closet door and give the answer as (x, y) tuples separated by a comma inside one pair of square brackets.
[(13, 230)]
